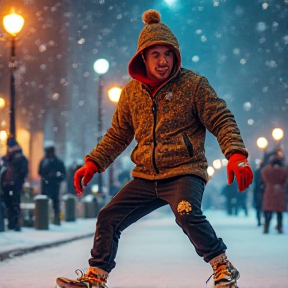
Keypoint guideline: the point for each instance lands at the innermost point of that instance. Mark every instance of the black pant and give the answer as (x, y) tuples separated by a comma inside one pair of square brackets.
[(12, 199), (140, 197), (268, 217), (52, 192)]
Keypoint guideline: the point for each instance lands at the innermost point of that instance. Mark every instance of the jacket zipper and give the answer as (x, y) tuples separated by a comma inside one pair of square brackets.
[(154, 111)]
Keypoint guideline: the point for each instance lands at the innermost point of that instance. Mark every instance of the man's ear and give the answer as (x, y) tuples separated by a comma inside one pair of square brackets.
[(143, 57)]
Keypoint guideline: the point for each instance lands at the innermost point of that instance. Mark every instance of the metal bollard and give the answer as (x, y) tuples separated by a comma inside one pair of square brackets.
[(2, 210), (70, 207), (27, 206), (90, 206), (41, 212)]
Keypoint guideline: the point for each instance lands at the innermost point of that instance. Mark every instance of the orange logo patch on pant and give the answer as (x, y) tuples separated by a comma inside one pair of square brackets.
[(184, 207)]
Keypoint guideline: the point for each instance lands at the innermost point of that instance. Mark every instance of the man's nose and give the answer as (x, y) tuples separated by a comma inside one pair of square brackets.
[(163, 61)]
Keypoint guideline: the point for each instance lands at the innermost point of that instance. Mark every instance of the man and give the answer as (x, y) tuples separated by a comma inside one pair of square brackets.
[(167, 109), (52, 172), (13, 173)]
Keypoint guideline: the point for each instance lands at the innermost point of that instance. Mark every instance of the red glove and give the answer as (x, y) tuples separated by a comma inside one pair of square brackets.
[(83, 175), (239, 166)]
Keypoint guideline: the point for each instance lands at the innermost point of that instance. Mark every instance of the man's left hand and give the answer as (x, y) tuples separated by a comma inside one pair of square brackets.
[(239, 167)]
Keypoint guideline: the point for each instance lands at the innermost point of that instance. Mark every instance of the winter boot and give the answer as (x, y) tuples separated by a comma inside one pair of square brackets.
[(94, 278), (279, 223), (225, 274), (266, 228), (279, 229), (57, 218)]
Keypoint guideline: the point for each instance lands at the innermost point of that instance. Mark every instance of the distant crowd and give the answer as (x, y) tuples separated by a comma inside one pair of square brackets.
[(269, 190), (52, 171)]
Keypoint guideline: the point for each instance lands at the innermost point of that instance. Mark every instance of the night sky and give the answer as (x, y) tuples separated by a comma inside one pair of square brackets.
[(240, 46)]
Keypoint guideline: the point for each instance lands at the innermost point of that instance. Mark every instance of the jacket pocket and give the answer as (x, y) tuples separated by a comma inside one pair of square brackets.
[(188, 144)]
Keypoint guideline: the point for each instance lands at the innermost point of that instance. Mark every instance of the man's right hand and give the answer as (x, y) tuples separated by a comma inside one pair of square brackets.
[(83, 175)]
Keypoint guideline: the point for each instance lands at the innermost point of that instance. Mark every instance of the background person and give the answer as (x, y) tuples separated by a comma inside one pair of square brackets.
[(274, 176), (52, 172), (14, 171)]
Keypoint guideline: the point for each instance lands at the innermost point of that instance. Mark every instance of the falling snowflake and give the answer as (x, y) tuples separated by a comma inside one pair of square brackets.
[(261, 27)]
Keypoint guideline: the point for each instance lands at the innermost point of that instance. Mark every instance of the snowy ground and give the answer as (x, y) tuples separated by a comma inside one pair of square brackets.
[(155, 253), (31, 238)]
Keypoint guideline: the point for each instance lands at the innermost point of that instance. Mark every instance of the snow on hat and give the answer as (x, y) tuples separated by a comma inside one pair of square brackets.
[(154, 33), (12, 145)]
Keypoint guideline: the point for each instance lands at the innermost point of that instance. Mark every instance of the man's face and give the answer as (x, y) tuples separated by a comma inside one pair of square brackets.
[(159, 61)]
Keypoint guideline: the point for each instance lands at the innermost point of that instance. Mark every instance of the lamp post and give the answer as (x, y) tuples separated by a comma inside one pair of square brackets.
[(13, 24), (101, 66), (262, 144), (278, 134), (113, 95)]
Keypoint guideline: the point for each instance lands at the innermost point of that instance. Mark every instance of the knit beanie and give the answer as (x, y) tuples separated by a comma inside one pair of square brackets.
[(154, 33), (12, 145)]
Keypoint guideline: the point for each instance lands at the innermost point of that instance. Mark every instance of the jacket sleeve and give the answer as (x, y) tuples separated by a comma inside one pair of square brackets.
[(218, 119), (61, 171), (118, 136), (24, 168)]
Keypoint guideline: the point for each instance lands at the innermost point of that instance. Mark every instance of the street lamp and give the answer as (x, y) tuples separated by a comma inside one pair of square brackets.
[(114, 95), (13, 24), (277, 134), (2, 103), (210, 171), (101, 66), (262, 143), (217, 164)]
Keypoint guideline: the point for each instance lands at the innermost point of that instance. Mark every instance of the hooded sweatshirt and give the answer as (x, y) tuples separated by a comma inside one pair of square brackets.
[(169, 125)]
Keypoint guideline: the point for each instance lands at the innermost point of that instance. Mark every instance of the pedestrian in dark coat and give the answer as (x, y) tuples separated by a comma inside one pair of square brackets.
[(259, 185), (52, 172), (274, 176), (14, 172), (258, 190), (230, 193)]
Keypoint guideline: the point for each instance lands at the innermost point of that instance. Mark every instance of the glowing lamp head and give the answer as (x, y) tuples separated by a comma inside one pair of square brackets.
[(277, 134), (101, 66), (262, 142), (13, 23), (114, 94), (210, 171)]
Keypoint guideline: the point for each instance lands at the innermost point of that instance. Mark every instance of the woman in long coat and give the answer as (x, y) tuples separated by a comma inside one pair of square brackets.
[(274, 176)]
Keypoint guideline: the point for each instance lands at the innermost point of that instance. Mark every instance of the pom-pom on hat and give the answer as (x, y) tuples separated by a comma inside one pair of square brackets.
[(154, 33)]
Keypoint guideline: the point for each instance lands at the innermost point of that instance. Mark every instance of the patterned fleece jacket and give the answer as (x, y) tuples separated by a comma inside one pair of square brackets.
[(169, 128)]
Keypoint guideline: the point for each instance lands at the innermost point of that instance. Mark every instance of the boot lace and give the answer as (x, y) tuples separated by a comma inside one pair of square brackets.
[(220, 268), (82, 277)]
